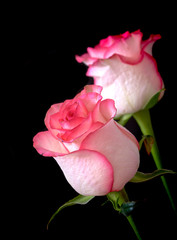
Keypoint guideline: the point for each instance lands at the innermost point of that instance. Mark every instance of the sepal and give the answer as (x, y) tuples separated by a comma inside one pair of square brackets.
[(143, 177), (121, 203), (154, 100), (80, 199), (122, 120), (113, 197)]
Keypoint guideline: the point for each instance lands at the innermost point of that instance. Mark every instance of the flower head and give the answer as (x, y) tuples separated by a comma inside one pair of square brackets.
[(124, 66), (96, 154)]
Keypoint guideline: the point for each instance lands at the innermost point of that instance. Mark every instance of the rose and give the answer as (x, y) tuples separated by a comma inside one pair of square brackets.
[(96, 154), (123, 65)]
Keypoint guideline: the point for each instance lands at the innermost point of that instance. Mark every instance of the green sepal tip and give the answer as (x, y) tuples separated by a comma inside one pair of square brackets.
[(154, 100)]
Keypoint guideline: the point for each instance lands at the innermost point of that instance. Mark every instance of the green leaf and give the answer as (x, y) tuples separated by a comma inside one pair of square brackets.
[(77, 200), (154, 100), (143, 177), (127, 208)]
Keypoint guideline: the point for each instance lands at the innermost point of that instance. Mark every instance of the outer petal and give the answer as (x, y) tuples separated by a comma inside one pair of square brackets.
[(47, 145), (121, 151), (131, 86), (88, 172), (129, 134)]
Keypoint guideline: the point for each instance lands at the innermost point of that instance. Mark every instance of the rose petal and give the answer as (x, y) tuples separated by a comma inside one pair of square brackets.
[(104, 111), (107, 42), (73, 123), (89, 89), (148, 44), (99, 69), (129, 134), (47, 145), (54, 121), (90, 100), (88, 172), (93, 88), (55, 108), (75, 144), (70, 135), (128, 46), (85, 58), (108, 109), (97, 52), (119, 148), (131, 86)]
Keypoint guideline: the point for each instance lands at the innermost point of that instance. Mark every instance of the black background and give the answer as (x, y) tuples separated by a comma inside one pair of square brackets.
[(49, 40)]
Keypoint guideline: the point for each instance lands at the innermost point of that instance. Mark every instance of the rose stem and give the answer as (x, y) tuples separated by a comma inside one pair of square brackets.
[(123, 197), (143, 119)]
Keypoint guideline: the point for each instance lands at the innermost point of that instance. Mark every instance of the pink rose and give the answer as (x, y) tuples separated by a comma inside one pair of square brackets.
[(96, 154), (123, 65)]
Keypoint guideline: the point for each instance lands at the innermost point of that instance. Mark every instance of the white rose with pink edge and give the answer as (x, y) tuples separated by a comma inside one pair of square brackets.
[(124, 66)]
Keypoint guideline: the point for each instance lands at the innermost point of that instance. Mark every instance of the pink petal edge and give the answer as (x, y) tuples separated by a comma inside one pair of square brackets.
[(47, 145)]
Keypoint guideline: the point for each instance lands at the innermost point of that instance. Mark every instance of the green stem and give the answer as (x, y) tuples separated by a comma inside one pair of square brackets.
[(130, 219), (144, 121), (123, 197)]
